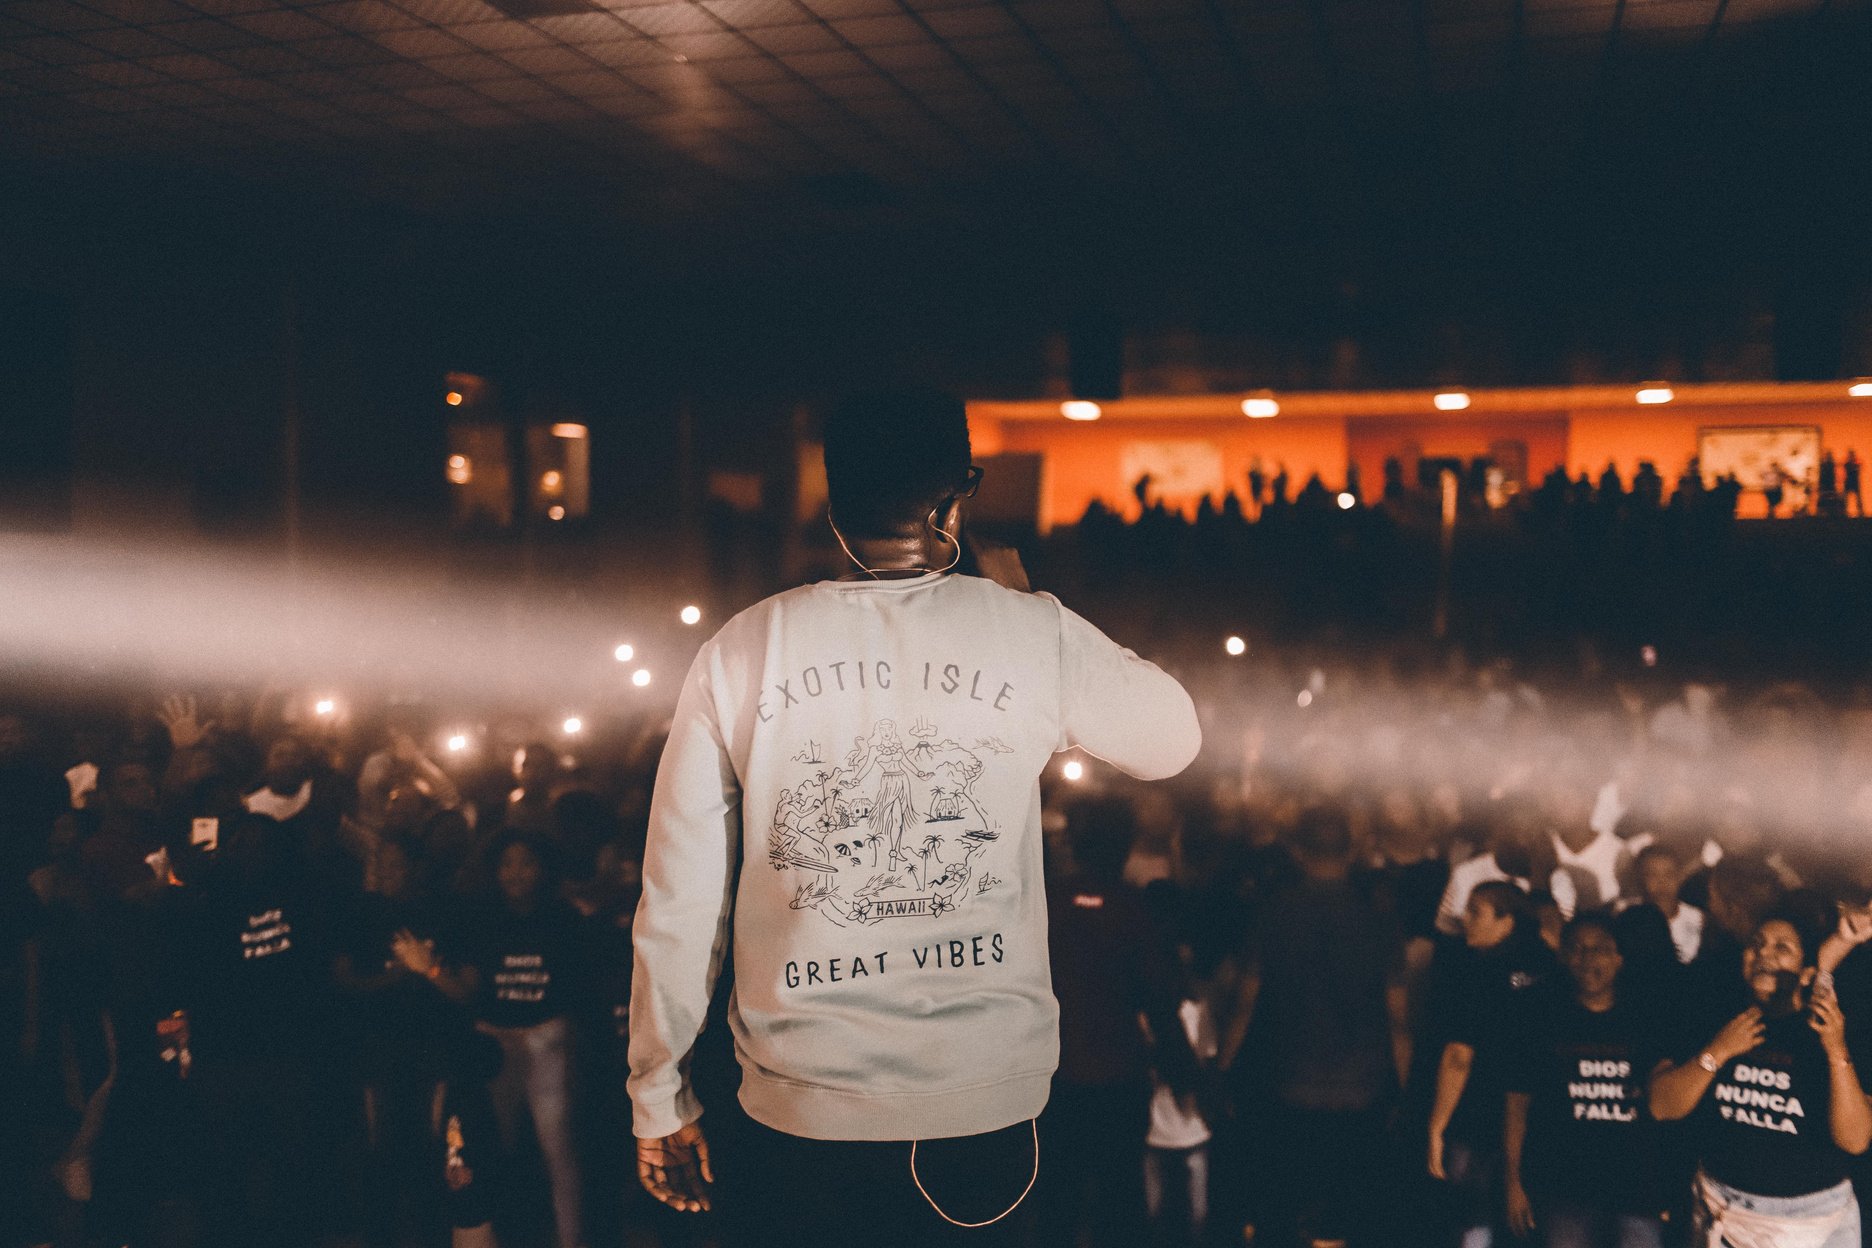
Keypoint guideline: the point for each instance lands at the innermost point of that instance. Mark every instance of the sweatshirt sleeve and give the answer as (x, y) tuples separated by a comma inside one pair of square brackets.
[(681, 929), (1120, 708)]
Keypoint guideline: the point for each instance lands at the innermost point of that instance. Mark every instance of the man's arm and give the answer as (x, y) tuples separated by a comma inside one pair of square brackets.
[(1452, 1078), (1514, 1141), (681, 928), (1397, 1010), (1121, 708), (1242, 1016)]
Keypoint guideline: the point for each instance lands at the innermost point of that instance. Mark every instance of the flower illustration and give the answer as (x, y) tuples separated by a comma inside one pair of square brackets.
[(940, 904), (861, 910)]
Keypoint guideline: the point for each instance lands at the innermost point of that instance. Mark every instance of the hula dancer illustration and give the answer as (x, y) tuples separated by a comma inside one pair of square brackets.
[(892, 810), (843, 830)]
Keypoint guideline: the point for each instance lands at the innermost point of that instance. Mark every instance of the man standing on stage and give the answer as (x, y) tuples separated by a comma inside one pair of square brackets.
[(851, 791)]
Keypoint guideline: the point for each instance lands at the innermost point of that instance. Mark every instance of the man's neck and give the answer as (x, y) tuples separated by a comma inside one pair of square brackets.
[(904, 553)]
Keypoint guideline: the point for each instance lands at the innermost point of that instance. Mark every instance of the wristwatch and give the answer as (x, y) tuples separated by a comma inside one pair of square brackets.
[(1707, 1060)]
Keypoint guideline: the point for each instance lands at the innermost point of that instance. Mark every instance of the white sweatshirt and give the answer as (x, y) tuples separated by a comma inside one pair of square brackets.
[(867, 756)]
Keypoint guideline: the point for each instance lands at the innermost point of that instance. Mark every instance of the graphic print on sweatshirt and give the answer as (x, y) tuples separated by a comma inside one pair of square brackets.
[(893, 830)]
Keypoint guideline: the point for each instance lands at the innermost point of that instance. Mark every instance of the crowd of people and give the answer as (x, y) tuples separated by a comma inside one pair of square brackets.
[(1411, 957), (1419, 952)]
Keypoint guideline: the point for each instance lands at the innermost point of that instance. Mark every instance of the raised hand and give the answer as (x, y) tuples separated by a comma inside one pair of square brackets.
[(1855, 924), (417, 956), (1826, 1018), (181, 718), (676, 1170)]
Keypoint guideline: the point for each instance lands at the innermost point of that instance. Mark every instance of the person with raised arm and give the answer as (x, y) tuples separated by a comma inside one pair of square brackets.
[(1774, 1100), (849, 807)]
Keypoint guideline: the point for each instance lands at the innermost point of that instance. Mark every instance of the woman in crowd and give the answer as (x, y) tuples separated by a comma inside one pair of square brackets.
[(1579, 1149), (527, 964), (402, 1018), (1775, 1102)]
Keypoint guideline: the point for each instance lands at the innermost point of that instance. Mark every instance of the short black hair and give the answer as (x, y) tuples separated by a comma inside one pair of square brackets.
[(1507, 898), (1659, 849), (1321, 834), (1597, 919), (893, 454)]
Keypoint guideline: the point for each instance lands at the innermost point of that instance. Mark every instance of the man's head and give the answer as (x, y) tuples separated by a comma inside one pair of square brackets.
[(1741, 892), (1496, 908), (128, 786), (288, 765), (1589, 947), (1322, 843), (893, 456), (1660, 876)]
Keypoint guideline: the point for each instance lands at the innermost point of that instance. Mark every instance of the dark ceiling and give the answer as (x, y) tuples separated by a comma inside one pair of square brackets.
[(852, 110), (1343, 164)]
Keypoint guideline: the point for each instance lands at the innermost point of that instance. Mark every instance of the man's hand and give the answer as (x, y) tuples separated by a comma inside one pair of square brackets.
[(676, 1170), (1520, 1210), (183, 722), (1434, 1161)]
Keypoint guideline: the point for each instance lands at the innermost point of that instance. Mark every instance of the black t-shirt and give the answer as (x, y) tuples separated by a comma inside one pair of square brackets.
[(1590, 1135), (1764, 1125), (1110, 964), (265, 952), (399, 1022), (1480, 994), (1327, 952), (533, 968)]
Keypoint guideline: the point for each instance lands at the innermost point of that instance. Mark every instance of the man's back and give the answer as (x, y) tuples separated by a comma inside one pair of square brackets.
[(865, 757), (1327, 955)]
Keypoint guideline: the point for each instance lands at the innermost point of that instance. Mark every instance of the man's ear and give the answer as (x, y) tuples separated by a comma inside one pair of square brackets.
[(949, 519)]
